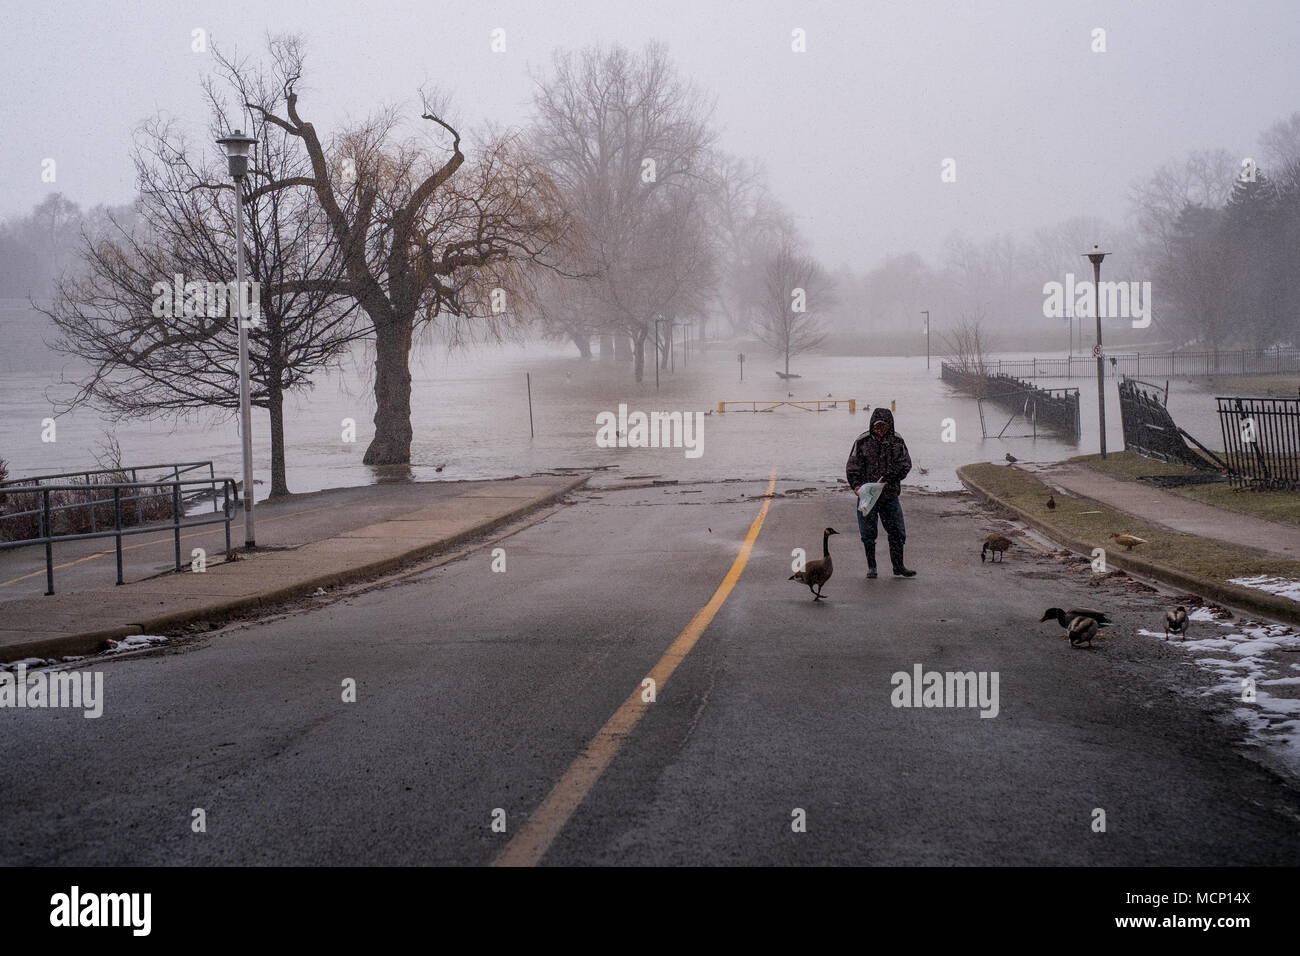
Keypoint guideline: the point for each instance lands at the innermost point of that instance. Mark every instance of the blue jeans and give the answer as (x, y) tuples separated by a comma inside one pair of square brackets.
[(891, 516)]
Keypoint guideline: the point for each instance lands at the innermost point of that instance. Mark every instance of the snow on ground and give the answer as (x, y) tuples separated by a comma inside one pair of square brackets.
[(135, 642), (1242, 651), (1273, 585)]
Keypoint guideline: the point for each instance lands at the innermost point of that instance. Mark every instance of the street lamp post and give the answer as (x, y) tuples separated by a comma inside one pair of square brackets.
[(1095, 258), (237, 146), (926, 313)]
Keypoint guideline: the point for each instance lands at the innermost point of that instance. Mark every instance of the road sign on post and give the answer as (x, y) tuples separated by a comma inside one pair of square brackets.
[(741, 357)]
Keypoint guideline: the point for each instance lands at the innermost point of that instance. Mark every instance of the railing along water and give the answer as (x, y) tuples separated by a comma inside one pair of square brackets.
[(151, 492)]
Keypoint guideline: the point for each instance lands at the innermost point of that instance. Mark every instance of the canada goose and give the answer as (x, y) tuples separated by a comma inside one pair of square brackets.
[(1011, 459), (1051, 502), (1065, 617), (924, 471), (1081, 631), (441, 467), (1176, 622), (817, 573), (997, 544), (1128, 540)]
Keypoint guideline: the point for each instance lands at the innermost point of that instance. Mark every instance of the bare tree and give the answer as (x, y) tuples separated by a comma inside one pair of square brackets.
[(747, 221), (158, 347), (790, 292), (627, 144), (420, 239), (967, 344)]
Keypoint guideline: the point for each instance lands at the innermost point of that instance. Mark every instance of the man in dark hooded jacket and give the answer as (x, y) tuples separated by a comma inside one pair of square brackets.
[(880, 454)]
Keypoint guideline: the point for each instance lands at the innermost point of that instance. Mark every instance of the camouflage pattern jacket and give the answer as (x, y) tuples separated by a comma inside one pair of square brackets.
[(879, 459)]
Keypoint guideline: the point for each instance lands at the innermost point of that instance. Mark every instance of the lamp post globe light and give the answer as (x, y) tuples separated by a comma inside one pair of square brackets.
[(1095, 258), (237, 146)]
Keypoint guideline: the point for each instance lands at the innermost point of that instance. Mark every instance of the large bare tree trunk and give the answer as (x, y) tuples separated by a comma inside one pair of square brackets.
[(392, 442), (275, 405), (583, 342)]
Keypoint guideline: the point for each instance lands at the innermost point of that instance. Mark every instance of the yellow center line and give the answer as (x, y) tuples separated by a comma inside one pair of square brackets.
[(145, 544), (553, 814)]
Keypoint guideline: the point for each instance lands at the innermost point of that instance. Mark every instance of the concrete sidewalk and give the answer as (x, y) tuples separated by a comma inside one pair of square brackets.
[(330, 547), (1151, 504)]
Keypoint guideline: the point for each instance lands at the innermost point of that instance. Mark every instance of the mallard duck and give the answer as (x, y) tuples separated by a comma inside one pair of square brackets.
[(1011, 459), (1081, 631), (1176, 622), (815, 574), (1128, 540), (997, 544), (1065, 617), (1051, 502)]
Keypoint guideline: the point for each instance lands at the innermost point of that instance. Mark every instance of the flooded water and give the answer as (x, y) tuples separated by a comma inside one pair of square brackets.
[(471, 415)]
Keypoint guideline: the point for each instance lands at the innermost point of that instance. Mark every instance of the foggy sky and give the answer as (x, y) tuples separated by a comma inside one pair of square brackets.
[(852, 132)]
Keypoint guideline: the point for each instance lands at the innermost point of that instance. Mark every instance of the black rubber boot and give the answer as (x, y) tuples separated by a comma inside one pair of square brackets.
[(896, 556), (871, 565)]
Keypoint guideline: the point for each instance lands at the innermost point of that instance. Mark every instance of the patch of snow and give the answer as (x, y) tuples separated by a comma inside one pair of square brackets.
[(1272, 584), (1257, 652), (1201, 614), (135, 642), (28, 662)]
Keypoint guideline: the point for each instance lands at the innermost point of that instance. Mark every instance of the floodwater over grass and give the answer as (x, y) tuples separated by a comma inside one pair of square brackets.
[(470, 414)]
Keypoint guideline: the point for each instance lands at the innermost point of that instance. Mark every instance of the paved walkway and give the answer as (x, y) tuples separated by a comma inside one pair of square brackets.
[(314, 541), (1140, 499)]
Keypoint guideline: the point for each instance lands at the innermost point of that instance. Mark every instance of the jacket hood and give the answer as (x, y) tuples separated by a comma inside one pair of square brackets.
[(881, 414)]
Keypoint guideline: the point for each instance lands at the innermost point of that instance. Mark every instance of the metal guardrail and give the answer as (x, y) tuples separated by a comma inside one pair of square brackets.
[(1261, 440), (1275, 361), (176, 468), (45, 513)]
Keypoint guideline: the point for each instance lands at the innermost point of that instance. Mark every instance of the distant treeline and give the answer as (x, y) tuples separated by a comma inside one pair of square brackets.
[(1217, 234), (36, 248)]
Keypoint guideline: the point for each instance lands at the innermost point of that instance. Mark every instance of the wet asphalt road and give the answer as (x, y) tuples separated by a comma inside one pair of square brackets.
[(477, 690)]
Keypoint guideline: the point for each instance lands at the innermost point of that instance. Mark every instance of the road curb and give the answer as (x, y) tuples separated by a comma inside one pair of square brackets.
[(87, 642), (1246, 599)]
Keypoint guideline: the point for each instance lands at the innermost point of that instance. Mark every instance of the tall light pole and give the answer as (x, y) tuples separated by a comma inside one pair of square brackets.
[(1095, 258), (237, 146), (926, 313)]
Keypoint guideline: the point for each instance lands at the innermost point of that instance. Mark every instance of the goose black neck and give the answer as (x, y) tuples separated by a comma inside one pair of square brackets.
[(826, 544)]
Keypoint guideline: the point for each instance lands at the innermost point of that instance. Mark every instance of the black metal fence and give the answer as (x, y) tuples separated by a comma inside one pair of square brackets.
[(1056, 408), (35, 502), (1261, 440), (1276, 361), (1151, 431)]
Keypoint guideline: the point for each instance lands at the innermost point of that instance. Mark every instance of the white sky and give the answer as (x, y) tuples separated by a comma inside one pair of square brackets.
[(853, 131)]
